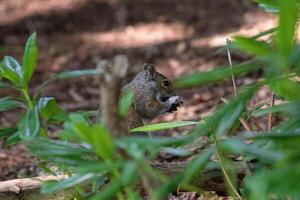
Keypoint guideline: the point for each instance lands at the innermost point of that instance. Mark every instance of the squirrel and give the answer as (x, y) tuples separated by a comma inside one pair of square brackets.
[(153, 96)]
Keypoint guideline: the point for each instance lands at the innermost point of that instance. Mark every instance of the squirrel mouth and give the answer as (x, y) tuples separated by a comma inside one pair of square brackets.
[(164, 99)]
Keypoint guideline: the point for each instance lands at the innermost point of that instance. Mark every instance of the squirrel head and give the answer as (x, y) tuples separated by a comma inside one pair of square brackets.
[(159, 82)]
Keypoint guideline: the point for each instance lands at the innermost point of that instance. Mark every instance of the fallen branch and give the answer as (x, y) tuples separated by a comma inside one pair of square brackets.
[(18, 185)]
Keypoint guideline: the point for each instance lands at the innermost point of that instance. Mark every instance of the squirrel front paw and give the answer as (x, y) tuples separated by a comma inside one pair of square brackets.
[(175, 102)]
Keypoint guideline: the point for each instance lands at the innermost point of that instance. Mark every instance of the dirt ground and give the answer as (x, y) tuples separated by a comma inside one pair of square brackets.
[(179, 37)]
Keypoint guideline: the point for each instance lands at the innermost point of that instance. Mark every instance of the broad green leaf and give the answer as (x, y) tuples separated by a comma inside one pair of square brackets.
[(286, 88), (12, 70), (53, 186), (29, 125), (50, 110), (201, 78), (102, 141), (287, 25), (8, 104), (30, 57), (65, 75), (253, 46), (163, 126), (77, 124), (125, 102)]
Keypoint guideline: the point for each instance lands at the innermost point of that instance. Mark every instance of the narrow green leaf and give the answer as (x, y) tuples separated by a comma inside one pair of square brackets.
[(125, 102), (53, 186), (29, 125), (163, 126), (287, 25), (253, 46), (13, 139), (197, 164), (30, 57), (238, 146), (4, 132), (200, 78), (109, 192), (12, 70)]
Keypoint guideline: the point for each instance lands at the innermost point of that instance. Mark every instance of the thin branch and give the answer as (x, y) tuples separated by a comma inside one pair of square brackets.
[(230, 64)]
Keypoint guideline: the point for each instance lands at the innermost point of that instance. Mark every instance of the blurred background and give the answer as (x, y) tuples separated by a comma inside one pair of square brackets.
[(178, 36)]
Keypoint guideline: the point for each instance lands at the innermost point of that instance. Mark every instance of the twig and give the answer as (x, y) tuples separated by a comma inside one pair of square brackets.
[(230, 64), (270, 117)]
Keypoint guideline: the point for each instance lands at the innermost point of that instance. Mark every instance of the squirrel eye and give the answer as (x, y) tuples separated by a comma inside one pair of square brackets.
[(166, 83)]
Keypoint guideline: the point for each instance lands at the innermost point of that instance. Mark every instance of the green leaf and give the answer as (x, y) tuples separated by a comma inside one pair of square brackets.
[(102, 141), (229, 117), (4, 132), (3, 84), (197, 164), (30, 57), (65, 75), (238, 146), (29, 125), (13, 139), (12, 70), (287, 24), (286, 88), (8, 104), (109, 192), (53, 186), (50, 110), (253, 46), (60, 152), (77, 124), (125, 102), (163, 126), (201, 78), (129, 173)]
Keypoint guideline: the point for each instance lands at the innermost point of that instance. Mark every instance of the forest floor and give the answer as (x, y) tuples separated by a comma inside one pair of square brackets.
[(179, 37)]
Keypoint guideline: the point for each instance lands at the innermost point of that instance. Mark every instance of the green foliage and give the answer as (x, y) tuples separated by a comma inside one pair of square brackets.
[(103, 167)]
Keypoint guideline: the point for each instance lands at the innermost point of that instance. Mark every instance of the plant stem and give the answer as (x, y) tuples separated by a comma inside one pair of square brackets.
[(27, 98), (230, 184)]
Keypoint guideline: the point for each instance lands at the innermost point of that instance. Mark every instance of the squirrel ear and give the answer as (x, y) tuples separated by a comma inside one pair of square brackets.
[(150, 70)]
